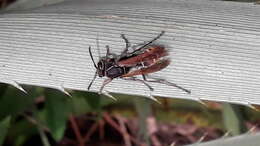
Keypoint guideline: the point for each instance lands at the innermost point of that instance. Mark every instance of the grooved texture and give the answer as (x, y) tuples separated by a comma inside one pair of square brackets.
[(214, 45)]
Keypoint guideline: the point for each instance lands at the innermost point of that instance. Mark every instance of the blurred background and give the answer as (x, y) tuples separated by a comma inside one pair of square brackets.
[(48, 117)]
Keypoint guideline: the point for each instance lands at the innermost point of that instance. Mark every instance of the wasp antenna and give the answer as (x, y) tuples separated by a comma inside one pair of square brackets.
[(97, 42), (150, 42), (90, 53), (92, 81)]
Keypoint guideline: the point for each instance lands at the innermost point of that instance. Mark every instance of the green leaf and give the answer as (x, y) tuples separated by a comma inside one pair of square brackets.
[(233, 119), (13, 102), (3, 89), (43, 136), (21, 130), (57, 111), (143, 108), (4, 125), (93, 102), (93, 99)]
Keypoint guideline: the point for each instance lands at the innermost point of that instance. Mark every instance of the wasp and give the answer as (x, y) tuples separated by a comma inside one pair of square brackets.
[(143, 60)]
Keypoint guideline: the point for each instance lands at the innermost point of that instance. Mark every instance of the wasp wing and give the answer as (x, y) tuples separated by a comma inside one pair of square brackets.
[(157, 66), (150, 55)]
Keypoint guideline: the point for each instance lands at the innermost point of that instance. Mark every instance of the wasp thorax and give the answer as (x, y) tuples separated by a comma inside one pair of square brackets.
[(104, 65)]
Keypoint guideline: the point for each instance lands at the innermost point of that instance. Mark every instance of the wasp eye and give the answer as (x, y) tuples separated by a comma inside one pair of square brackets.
[(100, 65), (101, 68)]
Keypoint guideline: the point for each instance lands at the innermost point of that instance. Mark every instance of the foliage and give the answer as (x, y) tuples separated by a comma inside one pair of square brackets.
[(40, 111), (4, 125), (233, 119), (44, 112)]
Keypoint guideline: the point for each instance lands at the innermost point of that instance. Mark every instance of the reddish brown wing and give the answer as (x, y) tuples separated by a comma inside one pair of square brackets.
[(157, 66), (149, 56)]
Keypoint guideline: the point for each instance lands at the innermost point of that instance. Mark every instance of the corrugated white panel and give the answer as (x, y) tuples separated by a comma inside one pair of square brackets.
[(214, 46)]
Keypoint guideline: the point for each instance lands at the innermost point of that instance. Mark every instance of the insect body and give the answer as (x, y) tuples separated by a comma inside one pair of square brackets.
[(146, 59), (109, 68)]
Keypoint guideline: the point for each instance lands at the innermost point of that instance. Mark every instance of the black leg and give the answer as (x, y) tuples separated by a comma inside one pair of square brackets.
[(139, 80), (163, 81), (92, 80), (108, 52), (144, 77), (143, 81), (127, 45), (106, 81)]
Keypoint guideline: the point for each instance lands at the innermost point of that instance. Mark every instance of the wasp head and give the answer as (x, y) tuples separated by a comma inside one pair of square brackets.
[(103, 65), (101, 68)]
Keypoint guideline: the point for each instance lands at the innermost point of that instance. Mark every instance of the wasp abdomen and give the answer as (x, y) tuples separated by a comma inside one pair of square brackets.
[(152, 53), (157, 66)]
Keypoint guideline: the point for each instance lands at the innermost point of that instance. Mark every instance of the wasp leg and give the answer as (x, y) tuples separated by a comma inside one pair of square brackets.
[(108, 54), (127, 45), (144, 77), (97, 43), (139, 80), (106, 81), (143, 81), (92, 80), (163, 81)]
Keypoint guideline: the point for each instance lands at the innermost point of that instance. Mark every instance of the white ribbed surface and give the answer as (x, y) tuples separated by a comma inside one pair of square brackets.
[(214, 45)]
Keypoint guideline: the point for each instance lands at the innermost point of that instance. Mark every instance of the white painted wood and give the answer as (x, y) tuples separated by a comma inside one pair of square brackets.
[(214, 45)]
